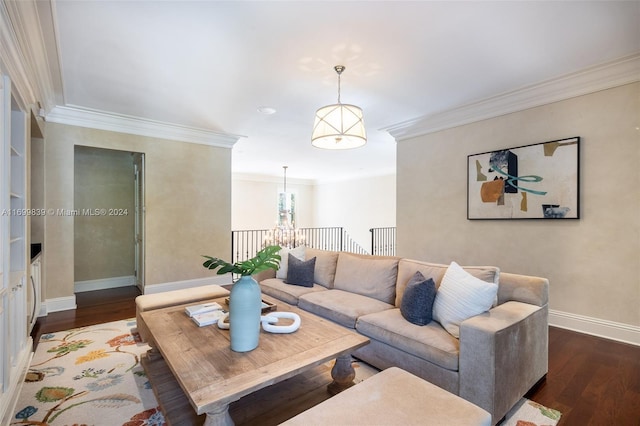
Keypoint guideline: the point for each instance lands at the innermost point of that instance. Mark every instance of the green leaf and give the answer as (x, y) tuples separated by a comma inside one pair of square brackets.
[(51, 394), (267, 258), (115, 401)]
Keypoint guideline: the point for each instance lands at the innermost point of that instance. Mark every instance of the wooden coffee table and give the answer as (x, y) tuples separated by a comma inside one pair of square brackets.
[(196, 364)]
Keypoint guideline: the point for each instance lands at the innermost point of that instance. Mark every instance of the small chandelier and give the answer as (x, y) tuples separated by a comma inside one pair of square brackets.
[(339, 126), (285, 233)]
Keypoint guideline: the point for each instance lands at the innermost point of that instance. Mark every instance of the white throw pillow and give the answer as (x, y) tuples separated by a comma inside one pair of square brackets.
[(461, 296), (284, 260)]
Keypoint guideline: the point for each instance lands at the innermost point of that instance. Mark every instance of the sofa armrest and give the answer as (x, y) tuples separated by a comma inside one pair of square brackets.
[(503, 353), (523, 288), (263, 275)]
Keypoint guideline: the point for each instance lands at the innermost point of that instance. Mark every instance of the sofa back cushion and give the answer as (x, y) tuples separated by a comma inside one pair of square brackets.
[(407, 268), (372, 276), (325, 270)]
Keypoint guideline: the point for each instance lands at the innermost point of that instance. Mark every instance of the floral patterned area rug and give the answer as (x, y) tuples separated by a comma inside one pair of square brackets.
[(88, 376), (91, 376), (530, 413)]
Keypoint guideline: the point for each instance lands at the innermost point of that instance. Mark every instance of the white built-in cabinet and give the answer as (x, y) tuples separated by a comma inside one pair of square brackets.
[(15, 353)]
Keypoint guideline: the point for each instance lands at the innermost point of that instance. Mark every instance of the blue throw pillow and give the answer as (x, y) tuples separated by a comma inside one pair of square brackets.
[(417, 300), (300, 272)]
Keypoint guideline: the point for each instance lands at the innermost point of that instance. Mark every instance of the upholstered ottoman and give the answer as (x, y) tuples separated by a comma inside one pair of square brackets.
[(147, 302), (394, 397)]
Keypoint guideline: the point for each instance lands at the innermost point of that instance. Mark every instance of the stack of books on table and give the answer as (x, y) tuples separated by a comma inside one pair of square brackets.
[(205, 313)]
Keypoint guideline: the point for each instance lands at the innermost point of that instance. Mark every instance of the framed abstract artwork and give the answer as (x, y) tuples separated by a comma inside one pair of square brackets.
[(538, 181)]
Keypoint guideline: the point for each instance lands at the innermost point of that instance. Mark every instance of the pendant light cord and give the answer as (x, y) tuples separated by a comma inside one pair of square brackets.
[(339, 69), (285, 178)]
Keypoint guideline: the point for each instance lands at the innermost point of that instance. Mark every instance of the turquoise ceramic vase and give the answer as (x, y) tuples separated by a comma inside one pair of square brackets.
[(245, 308)]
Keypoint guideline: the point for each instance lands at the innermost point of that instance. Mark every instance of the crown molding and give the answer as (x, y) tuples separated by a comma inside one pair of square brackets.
[(95, 119), (263, 178), (12, 60), (600, 77), (29, 34)]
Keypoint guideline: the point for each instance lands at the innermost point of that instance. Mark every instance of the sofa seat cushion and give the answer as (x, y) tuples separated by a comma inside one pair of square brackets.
[(430, 342), (372, 276), (340, 306), (288, 293)]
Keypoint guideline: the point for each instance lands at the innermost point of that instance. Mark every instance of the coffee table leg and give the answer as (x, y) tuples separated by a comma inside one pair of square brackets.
[(342, 374), (219, 418), (153, 353)]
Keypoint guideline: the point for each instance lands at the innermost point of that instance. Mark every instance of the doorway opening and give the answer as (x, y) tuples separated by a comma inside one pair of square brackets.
[(108, 219)]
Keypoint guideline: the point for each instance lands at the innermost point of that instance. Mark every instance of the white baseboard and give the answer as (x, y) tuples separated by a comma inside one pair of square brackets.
[(58, 304), (596, 327), (67, 303), (179, 285), (103, 283)]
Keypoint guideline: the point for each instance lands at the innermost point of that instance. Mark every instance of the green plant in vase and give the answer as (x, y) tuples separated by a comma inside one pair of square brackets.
[(245, 300), (267, 258)]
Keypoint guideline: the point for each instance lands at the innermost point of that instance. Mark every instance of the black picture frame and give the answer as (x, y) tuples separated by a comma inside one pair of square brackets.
[(537, 181)]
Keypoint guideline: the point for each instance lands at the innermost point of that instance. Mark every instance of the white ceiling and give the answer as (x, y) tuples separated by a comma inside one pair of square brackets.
[(211, 64)]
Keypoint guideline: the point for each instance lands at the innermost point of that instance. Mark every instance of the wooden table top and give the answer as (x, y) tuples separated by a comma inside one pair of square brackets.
[(212, 375)]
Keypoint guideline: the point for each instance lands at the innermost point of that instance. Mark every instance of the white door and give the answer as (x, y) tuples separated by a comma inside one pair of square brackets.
[(138, 166)]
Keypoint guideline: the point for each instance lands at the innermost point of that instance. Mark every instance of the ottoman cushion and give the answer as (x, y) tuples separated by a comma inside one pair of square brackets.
[(147, 302), (394, 397)]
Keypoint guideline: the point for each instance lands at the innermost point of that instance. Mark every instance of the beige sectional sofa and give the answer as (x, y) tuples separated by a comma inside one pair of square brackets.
[(499, 354)]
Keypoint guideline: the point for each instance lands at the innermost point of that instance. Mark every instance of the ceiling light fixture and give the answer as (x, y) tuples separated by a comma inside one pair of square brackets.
[(339, 126), (285, 233)]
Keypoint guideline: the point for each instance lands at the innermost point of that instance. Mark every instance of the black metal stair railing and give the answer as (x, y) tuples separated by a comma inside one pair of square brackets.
[(383, 241), (246, 243)]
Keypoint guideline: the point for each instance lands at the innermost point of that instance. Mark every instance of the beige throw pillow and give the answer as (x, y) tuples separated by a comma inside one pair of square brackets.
[(326, 261)]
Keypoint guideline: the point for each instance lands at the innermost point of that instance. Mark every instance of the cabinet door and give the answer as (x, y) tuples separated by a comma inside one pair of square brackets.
[(17, 318), (5, 141), (15, 343), (4, 376)]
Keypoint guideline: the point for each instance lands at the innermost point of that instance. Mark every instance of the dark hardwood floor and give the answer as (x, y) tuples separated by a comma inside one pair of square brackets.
[(93, 307), (592, 381)]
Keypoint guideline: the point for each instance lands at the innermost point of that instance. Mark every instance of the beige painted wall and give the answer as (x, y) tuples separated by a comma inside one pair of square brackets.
[(37, 188), (254, 202), (188, 192), (357, 206), (593, 263), (104, 243)]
